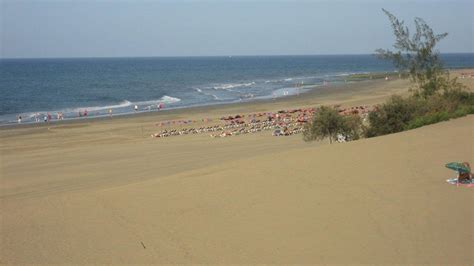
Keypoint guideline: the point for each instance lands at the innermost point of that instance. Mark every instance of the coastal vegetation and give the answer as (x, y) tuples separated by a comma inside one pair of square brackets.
[(328, 123), (399, 113), (435, 96), (416, 56)]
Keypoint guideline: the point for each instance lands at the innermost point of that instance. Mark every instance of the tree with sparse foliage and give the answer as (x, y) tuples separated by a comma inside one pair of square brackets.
[(328, 123), (416, 56)]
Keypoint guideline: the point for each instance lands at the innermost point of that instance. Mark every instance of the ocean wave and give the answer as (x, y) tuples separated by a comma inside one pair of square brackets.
[(125, 103), (230, 86), (288, 91), (164, 99), (170, 99), (215, 97), (122, 104), (312, 78), (283, 80)]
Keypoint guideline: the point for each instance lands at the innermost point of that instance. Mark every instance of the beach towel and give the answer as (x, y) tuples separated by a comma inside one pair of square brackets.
[(454, 181)]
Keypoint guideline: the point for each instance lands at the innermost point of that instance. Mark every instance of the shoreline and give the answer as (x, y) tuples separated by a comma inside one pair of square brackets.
[(321, 90), (313, 93), (260, 99)]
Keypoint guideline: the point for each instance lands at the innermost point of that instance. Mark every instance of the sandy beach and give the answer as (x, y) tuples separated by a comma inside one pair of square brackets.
[(104, 191)]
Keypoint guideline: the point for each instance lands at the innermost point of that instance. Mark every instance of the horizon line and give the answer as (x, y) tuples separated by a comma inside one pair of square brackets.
[(196, 56)]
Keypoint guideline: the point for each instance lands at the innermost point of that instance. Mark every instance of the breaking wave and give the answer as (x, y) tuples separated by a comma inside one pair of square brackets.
[(232, 85), (122, 104), (164, 99)]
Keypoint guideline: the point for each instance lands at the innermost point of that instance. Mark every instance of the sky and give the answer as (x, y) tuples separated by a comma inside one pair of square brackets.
[(67, 28)]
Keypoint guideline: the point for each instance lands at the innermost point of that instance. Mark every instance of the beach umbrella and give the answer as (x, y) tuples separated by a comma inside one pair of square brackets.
[(460, 167)]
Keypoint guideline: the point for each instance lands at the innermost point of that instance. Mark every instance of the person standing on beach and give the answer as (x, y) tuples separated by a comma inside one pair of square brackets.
[(19, 119), (110, 112), (136, 108)]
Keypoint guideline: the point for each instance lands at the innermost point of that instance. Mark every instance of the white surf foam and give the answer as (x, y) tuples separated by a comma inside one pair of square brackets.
[(231, 86), (215, 97), (122, 104), (164, 99)]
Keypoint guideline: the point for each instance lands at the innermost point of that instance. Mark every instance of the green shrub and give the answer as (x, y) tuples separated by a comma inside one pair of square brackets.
[(459, 96), (328, 123), (399, 114), (433, 118), (429, 119), (391, 117), (416, 123), (464, 110), (353, 127)]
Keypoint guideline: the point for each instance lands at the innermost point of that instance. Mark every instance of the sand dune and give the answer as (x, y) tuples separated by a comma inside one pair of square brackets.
[(103, 192), (381, 200)]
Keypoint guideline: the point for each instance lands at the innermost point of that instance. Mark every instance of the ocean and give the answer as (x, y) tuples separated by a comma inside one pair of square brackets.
[(36, 87)]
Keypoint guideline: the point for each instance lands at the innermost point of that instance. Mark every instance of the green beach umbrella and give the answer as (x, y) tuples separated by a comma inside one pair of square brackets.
[(458, 167)]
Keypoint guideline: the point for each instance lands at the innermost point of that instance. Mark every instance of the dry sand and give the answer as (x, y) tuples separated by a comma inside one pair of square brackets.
[(102, 191)]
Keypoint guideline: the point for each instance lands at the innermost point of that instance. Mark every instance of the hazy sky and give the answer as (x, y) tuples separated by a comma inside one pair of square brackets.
[(66, 28)]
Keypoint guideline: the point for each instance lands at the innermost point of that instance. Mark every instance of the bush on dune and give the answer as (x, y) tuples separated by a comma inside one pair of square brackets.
[(399, 114), (395, 115), (328, 123), (439, 117), (391, 117), (353, 127)]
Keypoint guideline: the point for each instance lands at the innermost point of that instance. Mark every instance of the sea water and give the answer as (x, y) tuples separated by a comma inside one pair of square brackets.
[(36, 87)]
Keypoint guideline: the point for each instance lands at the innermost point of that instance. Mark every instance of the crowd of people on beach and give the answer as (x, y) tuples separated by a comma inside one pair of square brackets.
[(355, 110), (283, 123), (226, 130), (38, 117), (48, 117), (467, 75)]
